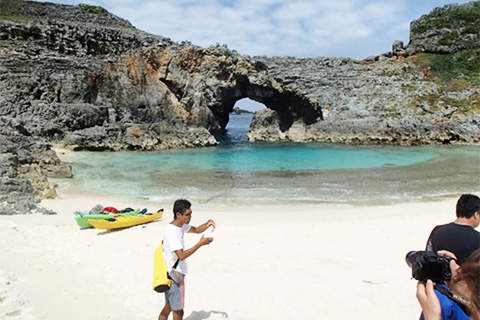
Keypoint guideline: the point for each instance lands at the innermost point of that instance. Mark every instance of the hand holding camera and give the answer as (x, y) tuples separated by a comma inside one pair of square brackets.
[(428, 265)]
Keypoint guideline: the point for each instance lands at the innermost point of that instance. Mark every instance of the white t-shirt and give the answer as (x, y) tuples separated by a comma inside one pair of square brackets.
[(172, 241)]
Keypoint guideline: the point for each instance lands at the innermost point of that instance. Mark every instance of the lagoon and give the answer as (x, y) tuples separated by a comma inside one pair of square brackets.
[(238, 171)]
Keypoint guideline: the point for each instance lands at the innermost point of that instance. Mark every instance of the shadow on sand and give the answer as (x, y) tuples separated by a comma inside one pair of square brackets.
[(201, 315)]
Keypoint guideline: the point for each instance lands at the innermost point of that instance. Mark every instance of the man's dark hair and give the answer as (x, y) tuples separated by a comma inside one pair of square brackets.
[(180, 206), (467, 205)]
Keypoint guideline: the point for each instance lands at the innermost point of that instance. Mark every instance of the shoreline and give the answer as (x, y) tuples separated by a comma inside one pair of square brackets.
[(451, 174), (66, 190), (338, 259)]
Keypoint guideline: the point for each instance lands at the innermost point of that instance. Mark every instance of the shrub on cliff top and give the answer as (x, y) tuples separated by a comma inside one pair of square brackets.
[(451, 17), (460, 64), (463, 65), (91, 8), (9, 7)]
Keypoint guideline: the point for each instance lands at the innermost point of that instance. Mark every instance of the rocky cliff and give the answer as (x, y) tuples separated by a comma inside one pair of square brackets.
[(79, 77), (448, 29), (386, 102), (425, 92)]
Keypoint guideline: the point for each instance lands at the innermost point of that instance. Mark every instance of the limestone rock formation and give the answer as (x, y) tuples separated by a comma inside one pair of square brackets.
[(377, 103), (111, 87), (84, 79), (447, 29), (426, 92), (26, 164), (265, 126)]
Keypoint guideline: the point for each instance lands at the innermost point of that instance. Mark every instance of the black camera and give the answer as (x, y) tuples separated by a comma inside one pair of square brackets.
[(429, 265)]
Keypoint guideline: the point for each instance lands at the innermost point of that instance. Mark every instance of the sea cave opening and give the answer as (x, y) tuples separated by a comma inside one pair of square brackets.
[(239, 121)]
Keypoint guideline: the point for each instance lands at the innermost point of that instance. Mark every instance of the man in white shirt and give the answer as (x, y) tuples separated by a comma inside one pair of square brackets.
[(175, 254)]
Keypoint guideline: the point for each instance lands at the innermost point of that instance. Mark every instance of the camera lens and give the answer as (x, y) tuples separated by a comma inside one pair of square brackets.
[(410, 257)]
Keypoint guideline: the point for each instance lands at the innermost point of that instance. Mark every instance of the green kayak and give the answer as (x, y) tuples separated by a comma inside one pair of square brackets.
[(82, 219)]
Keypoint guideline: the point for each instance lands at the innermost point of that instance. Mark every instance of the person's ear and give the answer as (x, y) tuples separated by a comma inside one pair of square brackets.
[(476, 216)]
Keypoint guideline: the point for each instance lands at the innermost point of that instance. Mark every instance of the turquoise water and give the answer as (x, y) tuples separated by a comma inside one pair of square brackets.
[(259, 158), (238, 171)]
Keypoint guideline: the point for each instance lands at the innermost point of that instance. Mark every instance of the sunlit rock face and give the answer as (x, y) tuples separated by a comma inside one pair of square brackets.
[(91, 81), (82, 78), (447, 29)]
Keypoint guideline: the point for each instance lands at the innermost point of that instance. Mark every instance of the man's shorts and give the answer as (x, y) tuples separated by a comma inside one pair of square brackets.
[(175, 297)]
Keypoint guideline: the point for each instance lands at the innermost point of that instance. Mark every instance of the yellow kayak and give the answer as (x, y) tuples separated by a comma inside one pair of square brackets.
[(123, 221)]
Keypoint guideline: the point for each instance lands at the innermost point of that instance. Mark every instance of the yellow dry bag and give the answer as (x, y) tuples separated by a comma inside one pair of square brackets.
[(161, 282)]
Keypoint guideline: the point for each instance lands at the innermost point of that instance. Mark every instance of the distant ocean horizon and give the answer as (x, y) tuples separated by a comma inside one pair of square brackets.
[(241, 172)]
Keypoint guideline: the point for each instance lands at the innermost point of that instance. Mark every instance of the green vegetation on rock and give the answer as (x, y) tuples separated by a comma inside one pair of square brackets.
[(8, 6), (91, 8), (463, 65), (454, 23), (9, 10), (451, 19), (453, 73), (17, 18), (435, 102)]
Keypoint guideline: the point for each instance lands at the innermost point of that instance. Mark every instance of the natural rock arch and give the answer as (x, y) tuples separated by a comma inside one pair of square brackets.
[(289, 106), (199, 87)]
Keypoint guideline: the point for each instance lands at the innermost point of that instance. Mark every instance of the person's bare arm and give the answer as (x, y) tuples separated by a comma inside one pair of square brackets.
[(184, 254), (201, 228), (428, 300)]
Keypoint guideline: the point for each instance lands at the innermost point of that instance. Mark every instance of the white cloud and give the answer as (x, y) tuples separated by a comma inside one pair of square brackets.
[(295, 12), (307, 28)]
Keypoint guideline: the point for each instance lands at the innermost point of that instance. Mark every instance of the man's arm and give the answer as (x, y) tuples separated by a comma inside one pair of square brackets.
[(184, 254), (202, 227)]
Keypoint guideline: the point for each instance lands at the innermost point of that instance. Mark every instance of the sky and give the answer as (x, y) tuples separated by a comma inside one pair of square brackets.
[(301, 28)]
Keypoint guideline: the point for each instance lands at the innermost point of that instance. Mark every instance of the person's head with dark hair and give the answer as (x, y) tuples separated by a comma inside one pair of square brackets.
[(465, 282), (467, 206), (470, 274), (459, 236), (180, 206)]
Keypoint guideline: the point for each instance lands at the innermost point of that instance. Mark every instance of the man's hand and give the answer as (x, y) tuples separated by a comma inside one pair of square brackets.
[(201, 228), (211, 223), (204, 241)]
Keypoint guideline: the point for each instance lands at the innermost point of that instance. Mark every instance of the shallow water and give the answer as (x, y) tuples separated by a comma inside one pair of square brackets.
[(241, 172)]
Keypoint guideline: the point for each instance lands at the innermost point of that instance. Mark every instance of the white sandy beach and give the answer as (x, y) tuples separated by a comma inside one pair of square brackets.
[(266, 262)]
